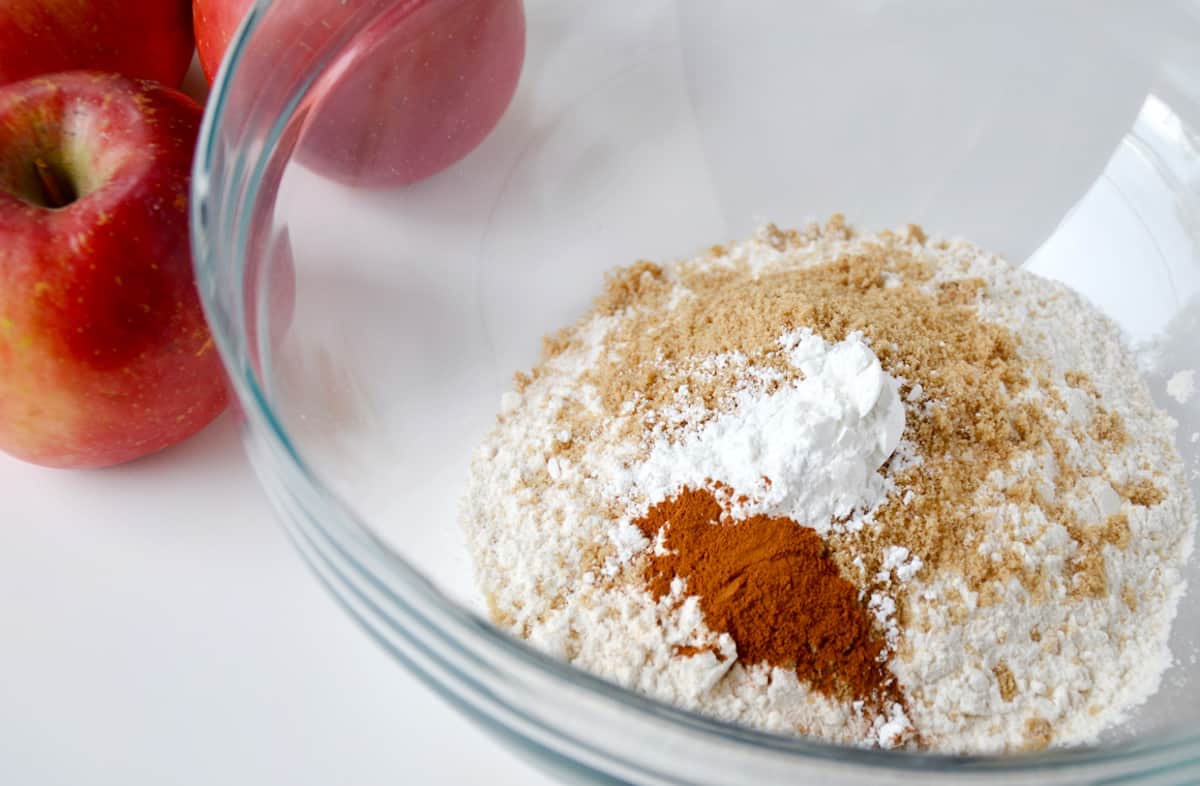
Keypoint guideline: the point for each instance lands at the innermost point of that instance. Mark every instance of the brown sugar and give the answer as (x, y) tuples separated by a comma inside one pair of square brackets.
[(1038, 734), (1141, 492), (970, 367), (1006, 681)]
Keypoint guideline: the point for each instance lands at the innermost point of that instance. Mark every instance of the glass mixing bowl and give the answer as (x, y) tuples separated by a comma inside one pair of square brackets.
[(370, 327)]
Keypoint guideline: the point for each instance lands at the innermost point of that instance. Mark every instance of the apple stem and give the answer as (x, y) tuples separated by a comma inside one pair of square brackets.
[(56, 189)]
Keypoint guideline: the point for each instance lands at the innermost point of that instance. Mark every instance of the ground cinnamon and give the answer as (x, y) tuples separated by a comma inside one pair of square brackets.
[(772, 586)]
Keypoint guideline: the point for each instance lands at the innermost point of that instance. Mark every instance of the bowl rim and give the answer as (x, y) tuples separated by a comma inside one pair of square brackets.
[(477, 636)]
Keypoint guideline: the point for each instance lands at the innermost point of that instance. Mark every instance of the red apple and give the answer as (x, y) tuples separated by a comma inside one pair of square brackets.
[(148, 39), (214, 23), (409, 95), (104, 352)]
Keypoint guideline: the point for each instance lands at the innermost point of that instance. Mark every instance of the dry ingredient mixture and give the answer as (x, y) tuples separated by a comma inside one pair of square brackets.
[(881, 489)]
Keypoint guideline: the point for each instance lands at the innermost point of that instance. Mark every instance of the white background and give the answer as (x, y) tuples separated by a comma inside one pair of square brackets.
[(158, 628)]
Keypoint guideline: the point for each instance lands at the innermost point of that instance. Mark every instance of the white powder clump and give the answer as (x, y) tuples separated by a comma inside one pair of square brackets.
[(808, 451), (1182, 385), (899, 562)]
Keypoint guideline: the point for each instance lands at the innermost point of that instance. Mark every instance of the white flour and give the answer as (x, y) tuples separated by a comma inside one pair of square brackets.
[(552, 536), (1182, 386)]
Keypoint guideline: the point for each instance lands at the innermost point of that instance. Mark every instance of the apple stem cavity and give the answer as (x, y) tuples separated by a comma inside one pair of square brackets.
[(57, 189)]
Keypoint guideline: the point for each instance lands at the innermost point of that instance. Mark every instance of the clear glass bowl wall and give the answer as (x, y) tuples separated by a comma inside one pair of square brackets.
[(370, 332)]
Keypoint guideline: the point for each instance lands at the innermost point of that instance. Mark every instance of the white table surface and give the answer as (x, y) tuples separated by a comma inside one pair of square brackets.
[(158, 628)]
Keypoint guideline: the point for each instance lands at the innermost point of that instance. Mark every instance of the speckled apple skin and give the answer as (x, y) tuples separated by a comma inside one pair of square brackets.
[(105, 355), (147, 39)]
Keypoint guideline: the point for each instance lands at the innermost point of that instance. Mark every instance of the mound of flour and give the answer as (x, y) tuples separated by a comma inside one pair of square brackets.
[(1045, 624)]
